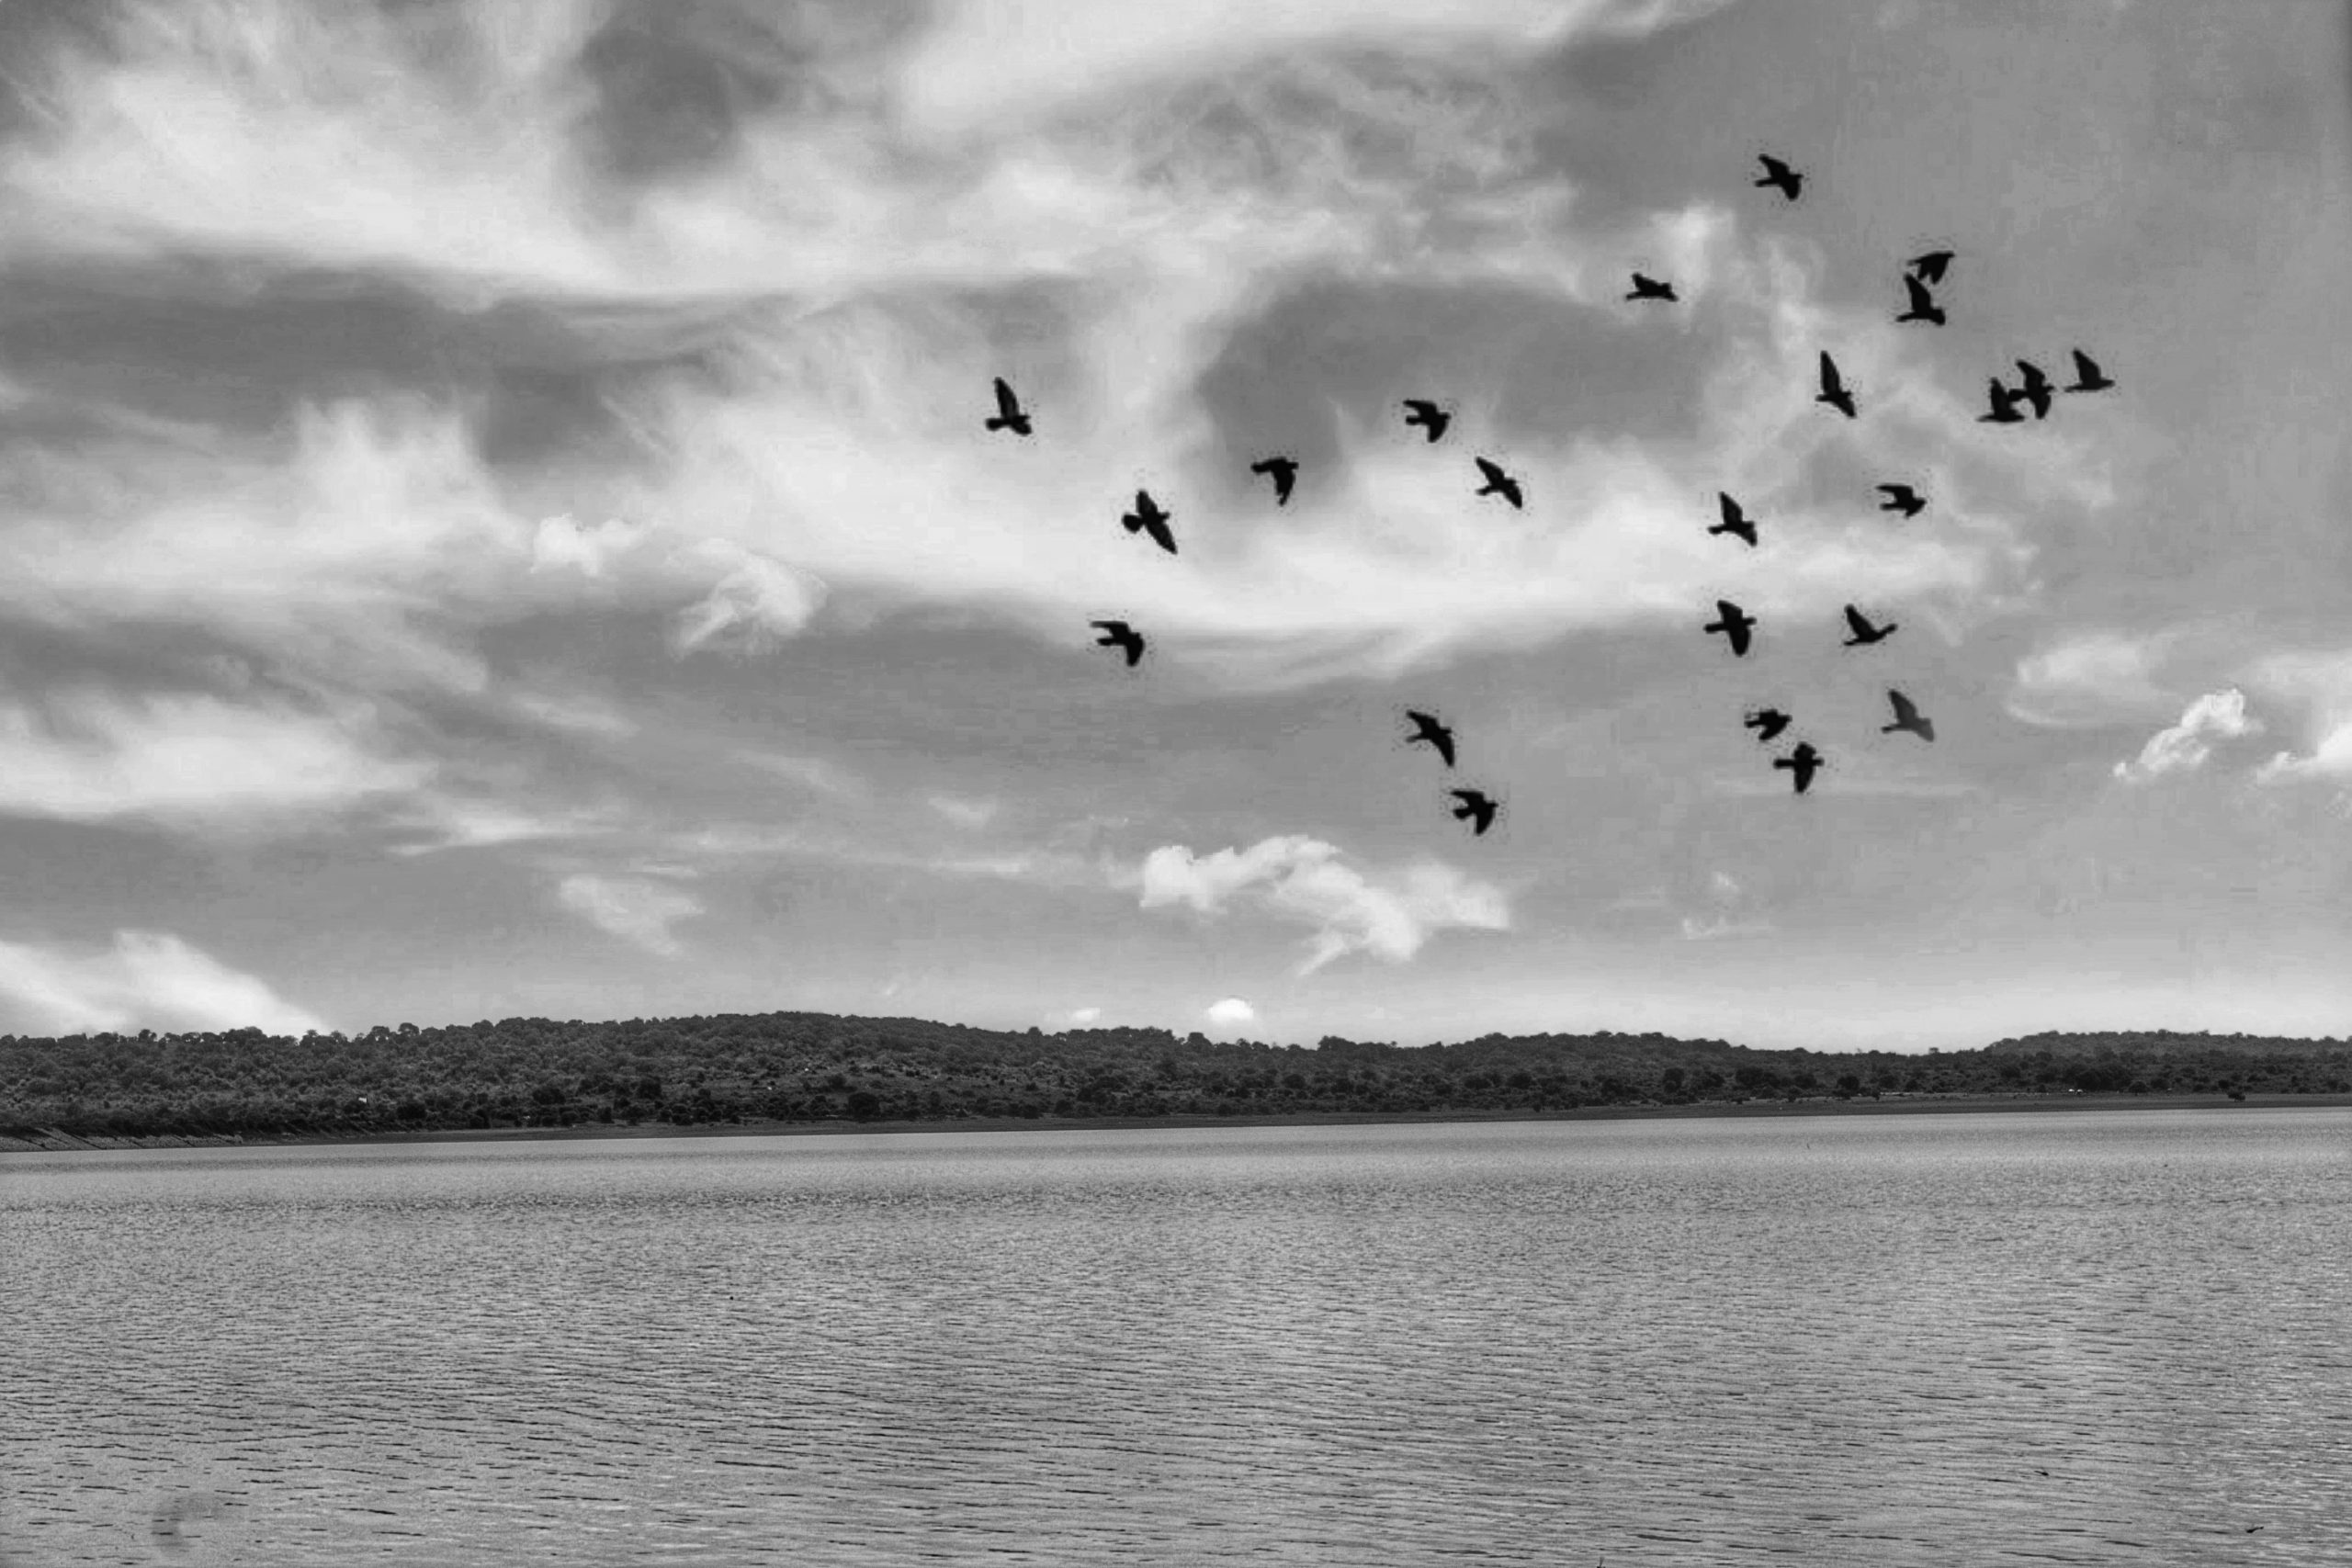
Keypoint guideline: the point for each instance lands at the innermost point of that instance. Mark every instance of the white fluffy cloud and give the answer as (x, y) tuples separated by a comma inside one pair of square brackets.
[(1388, 914), (1230, 1013), (629, 908), (149, 980), (2186, 746)]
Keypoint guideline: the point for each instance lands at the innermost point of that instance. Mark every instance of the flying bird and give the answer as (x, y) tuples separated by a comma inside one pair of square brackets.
[(1923, 306), (2088, 377), (1473, 805), (1931, 267), (1426, 728), (1118, 633), (1009, 413), (1650, 288), (1767, 722), (1787, 181), (1833, 390), (2005, 406), (1735, 522), (2035, 388), (1428, 415), (1147, 518), (1865, 633), (1497, 483), (1282, 471), (1907, 717), (1903, 499), (1734, 624), (1804, 762)]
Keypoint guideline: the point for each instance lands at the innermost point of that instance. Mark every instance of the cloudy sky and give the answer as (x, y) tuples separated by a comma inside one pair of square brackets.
[(497, 517)]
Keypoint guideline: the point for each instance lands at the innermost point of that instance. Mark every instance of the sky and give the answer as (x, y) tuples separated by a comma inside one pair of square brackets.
[(496, 519)]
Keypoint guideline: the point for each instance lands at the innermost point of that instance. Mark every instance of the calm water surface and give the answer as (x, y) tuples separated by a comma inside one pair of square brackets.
[(2065, 1339)]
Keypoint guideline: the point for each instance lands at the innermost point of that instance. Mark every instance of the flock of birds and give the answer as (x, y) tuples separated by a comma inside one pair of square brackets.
[(1737, 627)]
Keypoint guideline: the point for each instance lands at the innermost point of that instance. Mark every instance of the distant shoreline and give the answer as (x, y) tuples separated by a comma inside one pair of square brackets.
[(54, 1142)]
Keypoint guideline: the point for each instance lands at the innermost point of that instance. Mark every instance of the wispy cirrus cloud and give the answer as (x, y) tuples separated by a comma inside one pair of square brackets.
[(633, 909), (185, 759), (148, 979)]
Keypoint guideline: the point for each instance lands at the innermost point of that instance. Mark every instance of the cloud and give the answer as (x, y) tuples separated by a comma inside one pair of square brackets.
[(1230, 1013), (150, 980), (2185, 747), (1389, 915), (973, 814), (2319, 684), (817, 773), (1725, 897), (824, 449), (1075, 1018), (631, 908), (2088, 679), (185, 759)]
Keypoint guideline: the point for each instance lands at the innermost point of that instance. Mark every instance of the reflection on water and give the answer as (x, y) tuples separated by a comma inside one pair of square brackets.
[(1887, 1340)]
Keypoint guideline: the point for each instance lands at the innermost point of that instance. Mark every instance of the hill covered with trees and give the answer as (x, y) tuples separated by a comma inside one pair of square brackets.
[(814, 1067)]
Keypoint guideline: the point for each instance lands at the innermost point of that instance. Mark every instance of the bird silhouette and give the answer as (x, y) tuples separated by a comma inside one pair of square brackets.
[(2035, 388), (1735, 522), (1498, 482), (1780, 175), (1009, 413), (1767, 722), (1923, 306), (1907, 717), (1931, 267), (1650, 288), (2088, 377), (2005, 406), (1118, 633), (1426, 728), (1428, 415), (1734, 624), (1903, 499), (1865, 633), (1282, 471), (1833, 387), (1804, 762), (1475, 805), (1147, 518)]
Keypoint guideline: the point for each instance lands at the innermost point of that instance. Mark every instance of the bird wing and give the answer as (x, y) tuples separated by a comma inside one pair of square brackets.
[(1904, 712), (1773, 166), (1495, 476), (1006, 404), (1829, 383), (1160, 535), (1854, 619), (1732, 517), (2086, 368), (1921, 302)]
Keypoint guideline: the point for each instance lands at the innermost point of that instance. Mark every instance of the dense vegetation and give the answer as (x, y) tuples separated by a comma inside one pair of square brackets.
[(815, 1067)]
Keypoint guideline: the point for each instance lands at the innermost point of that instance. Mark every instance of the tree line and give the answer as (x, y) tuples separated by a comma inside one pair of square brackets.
[(812, 1067)]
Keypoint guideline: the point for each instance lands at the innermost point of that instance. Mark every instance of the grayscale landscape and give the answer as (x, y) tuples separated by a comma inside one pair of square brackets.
[(1309, 782)]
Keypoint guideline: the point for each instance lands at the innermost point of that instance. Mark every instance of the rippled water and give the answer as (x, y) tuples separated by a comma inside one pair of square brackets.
[(2121, 1337)]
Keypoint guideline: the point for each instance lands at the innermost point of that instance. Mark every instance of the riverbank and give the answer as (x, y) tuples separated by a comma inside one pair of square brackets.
[(51, 1141)]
